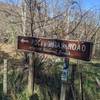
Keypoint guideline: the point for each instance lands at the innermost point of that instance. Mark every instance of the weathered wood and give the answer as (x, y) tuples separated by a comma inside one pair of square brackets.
[(72, 81), (64, 79), (63, 92), (5, 77), (81, 80), (30, 76)]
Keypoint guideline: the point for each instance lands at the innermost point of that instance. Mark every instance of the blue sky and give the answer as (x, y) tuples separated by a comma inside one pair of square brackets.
[(84, 3), (90, 3), (13, 1)]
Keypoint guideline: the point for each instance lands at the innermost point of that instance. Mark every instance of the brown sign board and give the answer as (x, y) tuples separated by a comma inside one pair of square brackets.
[(62, 48)]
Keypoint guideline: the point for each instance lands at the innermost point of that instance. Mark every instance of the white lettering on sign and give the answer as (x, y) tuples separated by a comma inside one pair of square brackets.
[(78, 48), (72, 46), (75, 47), (83, 48), (58, 45), (44, 44), (51, 44), (24, 41)]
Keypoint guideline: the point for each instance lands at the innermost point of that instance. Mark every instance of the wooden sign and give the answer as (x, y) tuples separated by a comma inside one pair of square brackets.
[(62, 48)]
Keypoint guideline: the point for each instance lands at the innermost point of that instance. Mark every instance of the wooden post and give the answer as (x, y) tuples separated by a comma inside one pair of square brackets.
[(72, 81), (81, 76), (73, 74), (64, 79), (30, 76), (63, 92), (5, 79)]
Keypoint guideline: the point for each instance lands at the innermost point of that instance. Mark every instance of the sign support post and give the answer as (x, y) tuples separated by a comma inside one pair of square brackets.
[(5, 79), (30, 77), (63, 92), (81, 80), (64, 79)]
